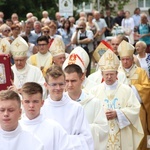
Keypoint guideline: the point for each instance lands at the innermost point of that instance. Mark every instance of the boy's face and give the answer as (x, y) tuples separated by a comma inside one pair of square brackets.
[(73, 83), (56, 87), (42, 47), (32, 104), (10, 113)]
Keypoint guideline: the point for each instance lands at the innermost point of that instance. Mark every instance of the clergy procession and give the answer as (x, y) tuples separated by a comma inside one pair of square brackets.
[(69, 84)]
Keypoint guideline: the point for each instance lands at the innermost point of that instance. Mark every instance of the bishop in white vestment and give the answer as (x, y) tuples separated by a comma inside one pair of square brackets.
[(121, 107)]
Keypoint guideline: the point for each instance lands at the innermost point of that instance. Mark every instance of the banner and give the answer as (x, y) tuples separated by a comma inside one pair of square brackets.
[(66, 8)]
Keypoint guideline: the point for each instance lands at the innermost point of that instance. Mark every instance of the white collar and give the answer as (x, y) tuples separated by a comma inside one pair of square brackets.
[(111, 87), (11, 134)]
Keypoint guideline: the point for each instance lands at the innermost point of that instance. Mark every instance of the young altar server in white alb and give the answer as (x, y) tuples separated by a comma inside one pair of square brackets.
[(51, 134), (74, 68), (68, 113), (121, 106), (24, 72), (12, 136)]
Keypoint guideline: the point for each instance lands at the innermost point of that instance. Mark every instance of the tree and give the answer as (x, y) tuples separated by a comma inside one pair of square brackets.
[(112, 5), (22, 7)]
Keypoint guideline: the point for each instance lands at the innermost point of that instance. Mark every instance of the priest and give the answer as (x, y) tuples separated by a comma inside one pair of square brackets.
[(121, 106), (139, 82), (24, 72)]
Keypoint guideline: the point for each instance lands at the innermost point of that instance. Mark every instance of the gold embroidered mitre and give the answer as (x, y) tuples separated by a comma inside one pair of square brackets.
[(79, 57), (4, 46), (57, 47), (19, 47), (100, 50), (125, 49), (109, 61)]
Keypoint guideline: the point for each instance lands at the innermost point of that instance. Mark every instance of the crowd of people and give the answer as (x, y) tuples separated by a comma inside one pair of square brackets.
[(56, 101)]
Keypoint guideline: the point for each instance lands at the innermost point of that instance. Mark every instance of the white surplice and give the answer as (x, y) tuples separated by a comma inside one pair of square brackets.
[(97, 119), (71, 116), (51, 134), (19, 140)]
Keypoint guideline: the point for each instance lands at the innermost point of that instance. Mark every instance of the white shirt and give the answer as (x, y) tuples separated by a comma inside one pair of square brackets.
[(143, 63), (89, 35)]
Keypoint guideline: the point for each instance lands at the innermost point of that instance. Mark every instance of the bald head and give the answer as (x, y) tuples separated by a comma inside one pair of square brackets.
[(115, 41)]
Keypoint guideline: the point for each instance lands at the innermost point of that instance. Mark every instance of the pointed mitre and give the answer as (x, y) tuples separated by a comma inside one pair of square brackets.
[(4, 46), (125, 49), (79, 57), (100, 50), (57, 47), (19, 47), (109, 61)]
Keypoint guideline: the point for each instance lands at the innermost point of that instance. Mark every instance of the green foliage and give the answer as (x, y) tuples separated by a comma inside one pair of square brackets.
[(22, 7), (113, 5)]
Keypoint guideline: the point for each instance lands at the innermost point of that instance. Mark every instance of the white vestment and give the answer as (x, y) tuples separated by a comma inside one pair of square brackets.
[(70, 115), (28, 74), (51, 134), (97, 119), (19, 140), (41, 60), (125, 131)]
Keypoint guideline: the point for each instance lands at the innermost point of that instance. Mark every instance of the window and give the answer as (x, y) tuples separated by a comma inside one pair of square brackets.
[(144, 4)]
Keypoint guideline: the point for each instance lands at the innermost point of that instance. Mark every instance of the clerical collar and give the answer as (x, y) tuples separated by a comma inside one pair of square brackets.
[(11, 134), (128, 70), (34, 121), (111, 87), (43, 55), (65, 99), (82, 96)]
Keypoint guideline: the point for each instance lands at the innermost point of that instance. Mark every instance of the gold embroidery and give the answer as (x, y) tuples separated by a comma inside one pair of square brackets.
[(17, 44), (3, 48)]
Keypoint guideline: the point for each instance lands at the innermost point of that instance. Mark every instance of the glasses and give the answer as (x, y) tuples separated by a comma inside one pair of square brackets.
[(46, 31), (6, 30), (41, 45), (54, 85)]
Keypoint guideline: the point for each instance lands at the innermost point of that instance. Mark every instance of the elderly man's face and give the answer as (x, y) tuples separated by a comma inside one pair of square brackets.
[(109, 77), (127, 61), (20, 62), (59, 60)]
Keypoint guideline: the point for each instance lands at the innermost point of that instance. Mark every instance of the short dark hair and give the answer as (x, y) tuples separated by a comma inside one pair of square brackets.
[(89, 14), (10, 95), (25, 37), (31, 88), (73, 68), (43, 38), (54, 71)]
